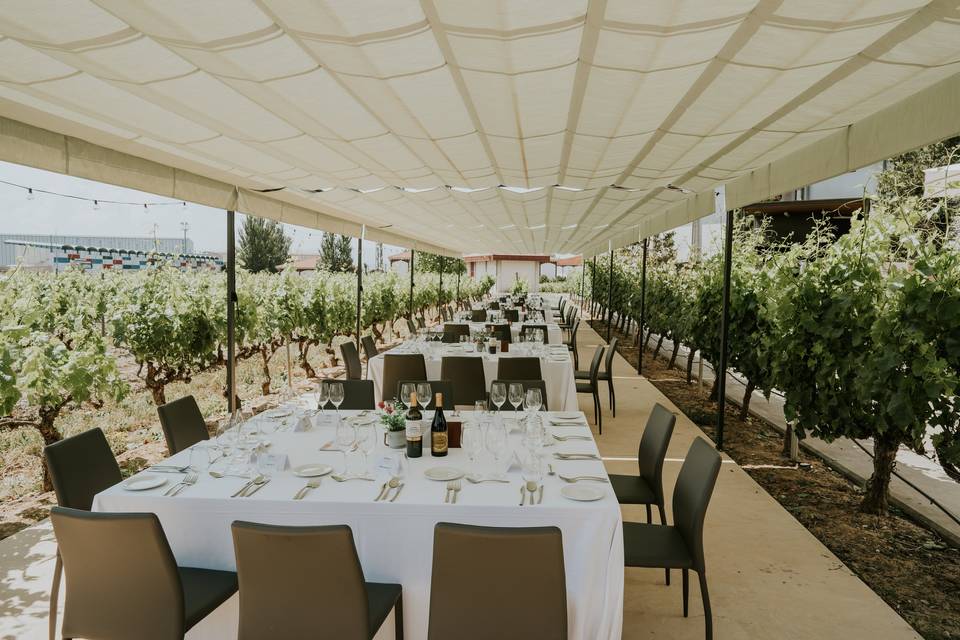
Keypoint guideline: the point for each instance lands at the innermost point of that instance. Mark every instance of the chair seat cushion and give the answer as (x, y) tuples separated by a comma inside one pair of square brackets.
[(584, 387), (632, 490), (203, 591), (654, 546), (382, 596)]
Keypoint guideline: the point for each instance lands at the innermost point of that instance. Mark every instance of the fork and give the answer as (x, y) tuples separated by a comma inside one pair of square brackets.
[(572, 479), (313, 483), (446, 495), (188, 480), (456, 490), (565, 438)]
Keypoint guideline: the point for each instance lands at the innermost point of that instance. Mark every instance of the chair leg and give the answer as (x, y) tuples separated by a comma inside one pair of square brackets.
[(598, 409), (707, 613), (649, 514), (663, 517), (398, 618), (613, 396), (686, 592), (55, 595)]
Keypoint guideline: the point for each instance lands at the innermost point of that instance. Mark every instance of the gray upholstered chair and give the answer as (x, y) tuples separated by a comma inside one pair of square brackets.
[(123, 582), (512, 315), (369, 347), (357, 395), (680, 546), (527, 384), (519, 369), (469, 598), (307, 582), (80, 467), (571, 343), (401, 366), (529, 331), (478, 315), (501, 332), (466, 374), (592, 387), (183, 424), (351, 360)]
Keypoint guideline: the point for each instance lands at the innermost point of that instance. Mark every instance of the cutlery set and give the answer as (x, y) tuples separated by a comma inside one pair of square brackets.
[(188, 480), (254, 485), (453, 491), (395, 485), (531, 489)]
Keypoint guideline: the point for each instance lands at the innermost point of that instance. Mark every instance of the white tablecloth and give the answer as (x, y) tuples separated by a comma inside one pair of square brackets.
[(558, 376), (395, 540), (554, 334)]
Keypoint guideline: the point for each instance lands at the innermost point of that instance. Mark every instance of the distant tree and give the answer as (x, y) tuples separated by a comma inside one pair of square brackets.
[(663, 248), (903, 174), (263, 245), (431, 263), (335, 252)]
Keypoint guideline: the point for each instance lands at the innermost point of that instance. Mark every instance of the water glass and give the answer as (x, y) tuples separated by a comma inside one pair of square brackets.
[(471, 439), (496, 443), (346, 439), (367, 436), (201, 456)]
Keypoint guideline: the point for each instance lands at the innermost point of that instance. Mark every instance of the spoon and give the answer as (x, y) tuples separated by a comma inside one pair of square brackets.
[(340, 478), (478, 480), (257, 485), (531, 489), (243, 489)]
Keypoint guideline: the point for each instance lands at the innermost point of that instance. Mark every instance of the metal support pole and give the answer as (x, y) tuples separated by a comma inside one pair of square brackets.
[(643, 307), (411, 284), (457, 301), (360, 280), (440, 292), (593, 286), (610, 296), (721, 371), (231, 313), (583, 276)]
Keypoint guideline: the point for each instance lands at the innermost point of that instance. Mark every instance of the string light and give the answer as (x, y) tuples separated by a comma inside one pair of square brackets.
[(96, 205), (95, 202), (30, 195)]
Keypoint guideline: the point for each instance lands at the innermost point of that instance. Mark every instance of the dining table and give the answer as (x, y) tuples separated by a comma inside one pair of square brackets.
[(556, 366), (393, 536), (554, 334)]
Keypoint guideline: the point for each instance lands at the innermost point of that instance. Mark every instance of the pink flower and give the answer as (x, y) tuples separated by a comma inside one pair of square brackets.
[(381, 404), (388, 409)]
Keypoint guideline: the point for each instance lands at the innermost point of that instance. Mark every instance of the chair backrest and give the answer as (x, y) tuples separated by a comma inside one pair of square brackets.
[(466, 374), (421, 322), (446, 387), (691, 495), (412, 328), (493, 305), (183, 424), (369, 347), (444, 313), (529, 331), (653, 447), (501, 332), (595, 363), (300, 582), (357, 395), (478, 315), (121, 577), (401, 366), (608, 360), (563, 303), (512, 315), (573, 332), (471, 600), (519, 368), (458, 328), (527, 384), (351, 360), (81, 466)]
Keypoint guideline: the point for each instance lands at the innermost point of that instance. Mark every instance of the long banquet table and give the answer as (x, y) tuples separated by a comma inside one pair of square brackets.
[(554, 334), (557, 371), (395, 539)]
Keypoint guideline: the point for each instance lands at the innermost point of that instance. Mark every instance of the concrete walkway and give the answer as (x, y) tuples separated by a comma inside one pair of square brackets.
[(768, 577)]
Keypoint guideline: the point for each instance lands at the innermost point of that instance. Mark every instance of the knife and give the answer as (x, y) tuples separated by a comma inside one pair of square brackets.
[(256, 488)]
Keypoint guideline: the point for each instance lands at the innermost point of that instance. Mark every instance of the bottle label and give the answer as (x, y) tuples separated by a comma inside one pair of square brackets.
[(439, 441)]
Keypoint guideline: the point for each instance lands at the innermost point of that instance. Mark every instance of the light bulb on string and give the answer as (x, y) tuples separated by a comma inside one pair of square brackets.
[(145, 208), (96, 205), (30, 194)]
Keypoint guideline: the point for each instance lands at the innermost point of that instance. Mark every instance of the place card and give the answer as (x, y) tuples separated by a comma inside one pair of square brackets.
[(303, 424), (273, 462)]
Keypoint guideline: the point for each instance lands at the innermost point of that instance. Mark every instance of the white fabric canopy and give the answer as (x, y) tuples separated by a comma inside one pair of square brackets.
[(410, 116)]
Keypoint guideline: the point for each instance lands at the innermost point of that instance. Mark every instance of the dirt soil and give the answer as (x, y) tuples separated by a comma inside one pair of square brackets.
[(907, 565)]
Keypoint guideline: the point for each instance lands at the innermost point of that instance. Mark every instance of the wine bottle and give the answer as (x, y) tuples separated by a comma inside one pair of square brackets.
[(414, 428), (438, 429)]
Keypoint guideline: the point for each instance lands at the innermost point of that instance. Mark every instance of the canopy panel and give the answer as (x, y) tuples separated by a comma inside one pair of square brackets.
[(548, 126)]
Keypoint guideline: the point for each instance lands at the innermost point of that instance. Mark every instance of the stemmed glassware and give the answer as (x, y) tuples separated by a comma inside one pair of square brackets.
[(424, 396), (498, 394), (406, 390), (515, 395), (323, 394), (336, 395), (346, 440), (367, 436), (496, 443)]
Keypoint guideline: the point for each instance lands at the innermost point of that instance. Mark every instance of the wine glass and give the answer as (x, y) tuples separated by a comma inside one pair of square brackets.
[(480, 409), (407, 389), (498, 394), (496, 443), (336, 395), (471, 439), (515, 394), (346, 439), (533, 400), (531, 467), (323, 394), (424, 397), (367, 437)]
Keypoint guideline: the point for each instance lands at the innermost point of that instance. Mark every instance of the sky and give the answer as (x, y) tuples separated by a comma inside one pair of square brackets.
[(55, 215)]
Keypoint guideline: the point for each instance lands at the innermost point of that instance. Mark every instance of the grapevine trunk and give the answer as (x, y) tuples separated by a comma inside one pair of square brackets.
[(876, 499)]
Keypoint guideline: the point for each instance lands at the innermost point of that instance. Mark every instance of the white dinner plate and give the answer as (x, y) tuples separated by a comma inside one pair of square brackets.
[(582, 492), (363, 420), (443, 473), (568, 416), (312, 470), (144, 482), (282, 413)]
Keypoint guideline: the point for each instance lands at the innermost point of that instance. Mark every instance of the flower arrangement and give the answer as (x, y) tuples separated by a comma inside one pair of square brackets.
[(392, 417)]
